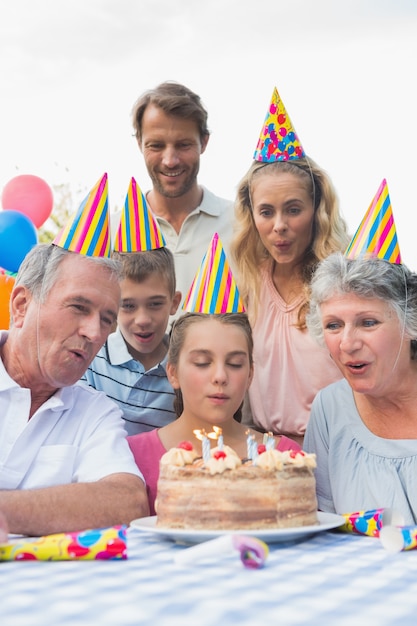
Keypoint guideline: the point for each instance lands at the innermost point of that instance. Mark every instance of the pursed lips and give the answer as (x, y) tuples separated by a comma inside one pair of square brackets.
[(219, 396)]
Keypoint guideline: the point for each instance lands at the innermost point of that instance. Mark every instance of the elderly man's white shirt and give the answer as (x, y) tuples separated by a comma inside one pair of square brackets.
[(75, 436)]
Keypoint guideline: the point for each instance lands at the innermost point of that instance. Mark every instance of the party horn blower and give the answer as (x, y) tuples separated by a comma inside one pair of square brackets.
[(253, 552), (86, 545), (396, 539), (370, 522)]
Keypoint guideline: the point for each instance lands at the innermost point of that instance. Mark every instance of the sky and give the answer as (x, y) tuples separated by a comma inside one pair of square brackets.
[(71, 70)]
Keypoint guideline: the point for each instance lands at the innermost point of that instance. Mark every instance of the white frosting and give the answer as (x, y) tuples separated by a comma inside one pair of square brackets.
[(179, 457), (269, 460), (228, 462), (226, 449), (299, 459)]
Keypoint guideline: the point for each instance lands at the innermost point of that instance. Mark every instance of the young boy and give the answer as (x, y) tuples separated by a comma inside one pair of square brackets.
[(130, 367)]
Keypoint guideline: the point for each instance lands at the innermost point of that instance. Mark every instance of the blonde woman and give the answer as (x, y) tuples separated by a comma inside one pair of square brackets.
[(287, 220)]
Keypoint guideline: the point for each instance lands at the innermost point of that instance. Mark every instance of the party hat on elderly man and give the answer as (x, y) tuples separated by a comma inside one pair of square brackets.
[(278, 140), (88, 231), (214, 288), (138, 230), (377, 236)]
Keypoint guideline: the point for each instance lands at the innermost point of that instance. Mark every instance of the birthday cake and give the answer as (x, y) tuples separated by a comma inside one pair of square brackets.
[(274, 490)]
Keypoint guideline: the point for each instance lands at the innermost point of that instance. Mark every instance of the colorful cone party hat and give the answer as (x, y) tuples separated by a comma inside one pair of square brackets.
[(278, 140), (214, 289), (377, 235), (88, 232), (138, 229)]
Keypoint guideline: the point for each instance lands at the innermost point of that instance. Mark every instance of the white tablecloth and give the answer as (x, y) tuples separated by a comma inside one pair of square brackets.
[(330, 579)]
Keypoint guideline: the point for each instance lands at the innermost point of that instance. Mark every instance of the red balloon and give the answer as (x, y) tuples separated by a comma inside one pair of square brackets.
[(30, 195)]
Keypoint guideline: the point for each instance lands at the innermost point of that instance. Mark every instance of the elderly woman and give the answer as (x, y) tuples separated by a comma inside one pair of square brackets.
[(363, 428)]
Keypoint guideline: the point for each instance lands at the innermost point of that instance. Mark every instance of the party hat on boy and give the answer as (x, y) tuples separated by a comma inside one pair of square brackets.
[(278, 140), (88, 232), (377, 235), (138, 229), (214, 289)]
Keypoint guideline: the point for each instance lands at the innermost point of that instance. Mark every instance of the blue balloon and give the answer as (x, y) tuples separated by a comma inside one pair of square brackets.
[(17, 236)]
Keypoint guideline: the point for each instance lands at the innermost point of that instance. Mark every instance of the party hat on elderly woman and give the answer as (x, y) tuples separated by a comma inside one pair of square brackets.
[(214, 288), (138, 229), (278, 140), (88, 231), (377, 235)]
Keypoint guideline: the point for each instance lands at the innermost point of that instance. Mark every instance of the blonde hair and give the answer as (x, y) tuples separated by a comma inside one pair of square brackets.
[(329, 229)]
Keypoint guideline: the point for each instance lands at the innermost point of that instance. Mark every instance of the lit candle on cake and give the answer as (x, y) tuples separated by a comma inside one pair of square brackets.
[(219, 435), (254, 450), (248, 444), (270, 442), (205, 444)]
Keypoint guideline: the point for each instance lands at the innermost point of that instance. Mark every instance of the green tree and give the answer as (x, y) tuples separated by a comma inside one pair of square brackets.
[(62, 210)]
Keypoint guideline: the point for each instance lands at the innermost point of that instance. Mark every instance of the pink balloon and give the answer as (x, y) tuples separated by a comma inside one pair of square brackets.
[(30, 195)]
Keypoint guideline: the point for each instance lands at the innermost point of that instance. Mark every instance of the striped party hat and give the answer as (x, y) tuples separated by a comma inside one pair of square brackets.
[(138, 229), (88, 232), (214, 289), (377, 235), (278, 140)]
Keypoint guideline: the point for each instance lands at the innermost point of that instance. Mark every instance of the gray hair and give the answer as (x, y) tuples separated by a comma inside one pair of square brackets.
[(366, 278), (39, 269)]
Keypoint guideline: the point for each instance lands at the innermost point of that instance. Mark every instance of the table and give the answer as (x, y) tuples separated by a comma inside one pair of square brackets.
[(331, 578)]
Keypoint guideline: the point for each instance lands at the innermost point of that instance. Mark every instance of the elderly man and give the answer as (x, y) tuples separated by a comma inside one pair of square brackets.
[(65, 463)]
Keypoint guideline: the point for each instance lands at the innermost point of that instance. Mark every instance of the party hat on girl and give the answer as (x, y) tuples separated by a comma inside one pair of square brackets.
[(377, 235), (214, 289), (138, 229), (88, 232), (278, 140)]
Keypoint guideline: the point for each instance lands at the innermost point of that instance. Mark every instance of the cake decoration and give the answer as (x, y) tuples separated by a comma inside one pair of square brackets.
[(222, 461), (377, 235), (278, 140), (179, 456)]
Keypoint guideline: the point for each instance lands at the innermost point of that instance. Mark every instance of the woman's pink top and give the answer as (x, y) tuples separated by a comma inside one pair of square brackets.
[(289, 366)]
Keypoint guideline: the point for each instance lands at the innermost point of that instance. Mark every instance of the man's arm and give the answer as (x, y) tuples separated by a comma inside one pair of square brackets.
[(115, 499)]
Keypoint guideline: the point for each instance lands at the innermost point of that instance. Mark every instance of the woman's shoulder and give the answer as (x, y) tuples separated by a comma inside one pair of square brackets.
[(339, 390)]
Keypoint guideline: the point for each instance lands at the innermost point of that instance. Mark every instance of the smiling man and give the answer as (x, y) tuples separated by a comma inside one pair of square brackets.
[(170, 125)]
